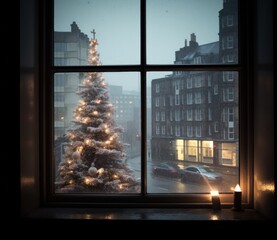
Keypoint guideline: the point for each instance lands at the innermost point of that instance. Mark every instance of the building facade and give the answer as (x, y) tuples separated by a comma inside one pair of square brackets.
[(70, 48), (195, 115)]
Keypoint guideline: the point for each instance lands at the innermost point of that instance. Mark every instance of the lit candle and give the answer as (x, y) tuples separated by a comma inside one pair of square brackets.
[(237, 198), (215, 200)]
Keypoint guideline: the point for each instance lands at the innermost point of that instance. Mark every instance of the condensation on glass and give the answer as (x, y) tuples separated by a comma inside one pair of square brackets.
[(194, 134)]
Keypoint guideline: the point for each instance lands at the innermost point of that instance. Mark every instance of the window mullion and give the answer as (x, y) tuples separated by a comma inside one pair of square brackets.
[(143, 96)]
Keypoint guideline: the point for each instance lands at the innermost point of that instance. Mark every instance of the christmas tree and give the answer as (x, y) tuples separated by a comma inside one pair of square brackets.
[(94, 156)]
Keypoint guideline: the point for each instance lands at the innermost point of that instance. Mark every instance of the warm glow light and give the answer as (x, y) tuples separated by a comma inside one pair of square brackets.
[(95, 113), (87, 141), (100, 170), (79, 109), (107, 130), (214, 217), (69, 161), (87, 181), (97, 101), (115, 176), (237, 188), (80, 149), (107, 142), (214, 193), (71, 182)]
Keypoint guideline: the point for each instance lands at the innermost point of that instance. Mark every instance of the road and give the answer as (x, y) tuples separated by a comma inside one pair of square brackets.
[(161, 184)]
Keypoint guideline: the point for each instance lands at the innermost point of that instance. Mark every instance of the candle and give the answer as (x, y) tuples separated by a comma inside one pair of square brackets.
[(237, 198), (215, 200)]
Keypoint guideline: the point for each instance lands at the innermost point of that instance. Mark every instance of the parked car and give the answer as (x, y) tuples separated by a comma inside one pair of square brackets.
[(166, 169), (201, 174)]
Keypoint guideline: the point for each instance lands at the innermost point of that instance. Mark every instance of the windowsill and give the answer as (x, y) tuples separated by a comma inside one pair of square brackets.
[(153, 214)]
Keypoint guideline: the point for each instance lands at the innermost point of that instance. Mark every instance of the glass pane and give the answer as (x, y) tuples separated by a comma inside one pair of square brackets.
[(115, 24), (192, 32), (193, 131), (96, 132)]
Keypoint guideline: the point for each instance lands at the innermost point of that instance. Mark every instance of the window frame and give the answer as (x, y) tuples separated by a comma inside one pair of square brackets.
[(46, 120)]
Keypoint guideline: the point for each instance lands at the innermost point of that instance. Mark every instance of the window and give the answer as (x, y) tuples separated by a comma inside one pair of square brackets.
[(190, 131), (163, 116), (198, 98), (189, 99), (198, 114), (189, 83), (157, 116), (189, 114), (228, 94), (230, 42), (177, 99), (157, 87), (134, 71), (177, 115), (198, 131), (230, 20)]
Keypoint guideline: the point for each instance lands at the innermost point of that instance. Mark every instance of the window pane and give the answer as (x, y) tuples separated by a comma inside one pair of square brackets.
[(201, 132), (192, 32), (97, 132), (117, 29)]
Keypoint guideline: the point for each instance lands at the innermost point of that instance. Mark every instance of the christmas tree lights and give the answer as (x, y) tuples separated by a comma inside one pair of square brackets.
[(93, 161)]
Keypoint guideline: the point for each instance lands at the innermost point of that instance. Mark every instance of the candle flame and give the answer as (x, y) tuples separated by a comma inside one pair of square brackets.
[(237, 188), (214, 193)]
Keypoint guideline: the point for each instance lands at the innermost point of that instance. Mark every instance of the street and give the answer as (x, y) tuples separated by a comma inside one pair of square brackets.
[(163, 184)]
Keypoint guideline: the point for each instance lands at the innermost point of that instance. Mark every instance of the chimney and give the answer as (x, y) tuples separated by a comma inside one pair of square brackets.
[(192, 42), (186, 42), (74, 28)]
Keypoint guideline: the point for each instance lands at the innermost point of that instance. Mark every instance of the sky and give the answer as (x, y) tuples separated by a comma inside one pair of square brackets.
[(117, 22)]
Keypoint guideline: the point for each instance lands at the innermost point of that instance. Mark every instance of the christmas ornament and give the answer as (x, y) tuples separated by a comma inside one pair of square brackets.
[(76, 155), (92, 171)]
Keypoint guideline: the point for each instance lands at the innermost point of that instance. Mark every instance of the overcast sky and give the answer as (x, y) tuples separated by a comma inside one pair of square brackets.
[(116, 22)]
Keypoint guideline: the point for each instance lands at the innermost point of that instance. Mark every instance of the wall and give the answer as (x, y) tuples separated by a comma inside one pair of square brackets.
[(28, 106), (263, 109)]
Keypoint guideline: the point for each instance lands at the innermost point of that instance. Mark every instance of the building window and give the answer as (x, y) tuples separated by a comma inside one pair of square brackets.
[(162, 116), (132, 69), (198, 114), (177, 131), (157, 87), (189, 99), (171, 115), (189, 114), (189, 131), (209, 97), (228, 76), (163, 130), (198, 131), (228, 94), (198, 81), (177, 100), (230, 20), (189, 83), (198, 98), (230, 42), (157, 129), (157, 116), (209, 114), (215, 89), (171, 100), (157, 101), (177, 115)]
